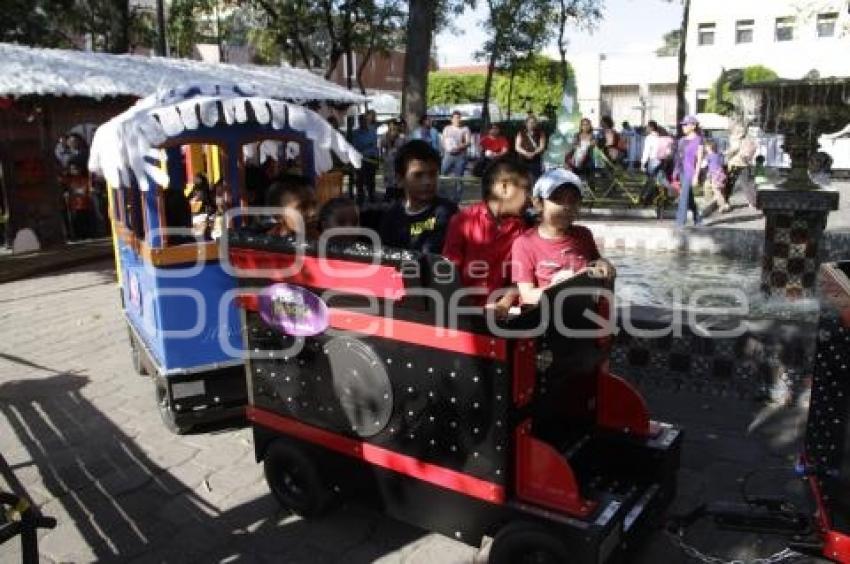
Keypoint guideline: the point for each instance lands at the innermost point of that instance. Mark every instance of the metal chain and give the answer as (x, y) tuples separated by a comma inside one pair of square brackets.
[(786, 554)]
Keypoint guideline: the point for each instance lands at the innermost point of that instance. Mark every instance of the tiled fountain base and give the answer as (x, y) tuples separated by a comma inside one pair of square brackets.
[(728, 241), (770, 360)]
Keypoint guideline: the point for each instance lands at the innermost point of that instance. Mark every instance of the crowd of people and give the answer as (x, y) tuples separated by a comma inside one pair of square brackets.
[(453, 144), (676, 166), (506, 254), (672, 165)]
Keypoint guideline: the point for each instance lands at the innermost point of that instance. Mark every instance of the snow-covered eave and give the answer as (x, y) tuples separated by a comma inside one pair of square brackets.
[(28, 71), (121, 145)]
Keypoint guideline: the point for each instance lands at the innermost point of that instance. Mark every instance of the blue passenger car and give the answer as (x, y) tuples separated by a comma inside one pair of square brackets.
[(180, 168)]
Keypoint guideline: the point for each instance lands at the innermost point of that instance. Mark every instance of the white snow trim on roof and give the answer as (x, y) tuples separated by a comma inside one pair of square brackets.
[(28, 71), (121, 145)]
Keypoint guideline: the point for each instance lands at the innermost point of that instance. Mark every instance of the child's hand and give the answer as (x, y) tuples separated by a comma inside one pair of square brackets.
[(601, 268), (502, 306)]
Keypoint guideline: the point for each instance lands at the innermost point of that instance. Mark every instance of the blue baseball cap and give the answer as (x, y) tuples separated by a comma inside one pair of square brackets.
[(553, 179), (689, 120)]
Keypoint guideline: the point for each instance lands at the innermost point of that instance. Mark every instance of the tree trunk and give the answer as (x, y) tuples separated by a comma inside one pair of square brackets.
[(681, 100), (417, 59), (488, 86), (333, 61), (361, 68), (161, 48), (562, 46), (119, 27), (511, 89)]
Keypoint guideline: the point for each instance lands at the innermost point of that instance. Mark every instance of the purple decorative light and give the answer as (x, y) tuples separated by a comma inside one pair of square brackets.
[(293, 310)]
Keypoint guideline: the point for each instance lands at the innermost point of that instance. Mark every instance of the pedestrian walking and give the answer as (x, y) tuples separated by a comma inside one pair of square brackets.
[(689, 156)]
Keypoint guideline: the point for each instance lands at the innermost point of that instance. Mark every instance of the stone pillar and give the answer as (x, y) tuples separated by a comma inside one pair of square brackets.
[(794, 225)]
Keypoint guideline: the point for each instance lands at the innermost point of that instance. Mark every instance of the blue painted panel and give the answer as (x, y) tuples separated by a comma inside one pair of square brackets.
[(190, 313), (138, 289), (180, 318)]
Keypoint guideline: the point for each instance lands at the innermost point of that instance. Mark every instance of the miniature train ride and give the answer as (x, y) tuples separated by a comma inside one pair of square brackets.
[(360, 388), (363, 383)]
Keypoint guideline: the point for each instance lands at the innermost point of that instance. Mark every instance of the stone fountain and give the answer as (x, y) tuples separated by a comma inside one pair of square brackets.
[(796, 209)]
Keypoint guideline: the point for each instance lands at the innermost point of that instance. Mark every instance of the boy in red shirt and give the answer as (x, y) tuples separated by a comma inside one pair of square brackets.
[(556, 249), (480, 237)]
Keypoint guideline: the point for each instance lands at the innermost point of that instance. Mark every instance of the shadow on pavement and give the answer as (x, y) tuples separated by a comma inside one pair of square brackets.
[(115, 502)]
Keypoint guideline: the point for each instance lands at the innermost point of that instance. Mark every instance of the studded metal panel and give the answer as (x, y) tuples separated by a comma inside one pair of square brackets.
[(441, 407), (828, 428)]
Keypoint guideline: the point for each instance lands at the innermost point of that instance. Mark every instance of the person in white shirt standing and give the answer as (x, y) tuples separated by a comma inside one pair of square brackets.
[(657, 148), (456, 140)]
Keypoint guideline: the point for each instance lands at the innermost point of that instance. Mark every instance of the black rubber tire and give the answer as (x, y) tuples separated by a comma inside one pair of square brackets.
[(527, 543), (294, 480), (166, 413)]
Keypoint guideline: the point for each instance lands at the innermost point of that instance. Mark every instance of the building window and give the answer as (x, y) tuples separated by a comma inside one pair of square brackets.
[(705, 34), (826, 24), (744, 31), (785, 29), (702, 100)]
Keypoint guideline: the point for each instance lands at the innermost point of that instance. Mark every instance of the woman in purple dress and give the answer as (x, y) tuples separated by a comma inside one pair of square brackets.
[(689, 157)]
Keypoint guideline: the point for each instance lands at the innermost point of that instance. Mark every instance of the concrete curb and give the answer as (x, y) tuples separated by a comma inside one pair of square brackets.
[(20, 267)]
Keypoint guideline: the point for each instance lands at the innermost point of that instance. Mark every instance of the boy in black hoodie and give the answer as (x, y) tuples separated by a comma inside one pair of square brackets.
[(419, 221)]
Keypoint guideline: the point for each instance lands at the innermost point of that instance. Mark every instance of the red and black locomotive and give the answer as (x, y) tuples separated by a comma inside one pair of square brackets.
[(462, 426)]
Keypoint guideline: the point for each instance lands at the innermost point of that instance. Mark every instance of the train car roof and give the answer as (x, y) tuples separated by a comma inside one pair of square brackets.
[(125, 144), (30, 71)]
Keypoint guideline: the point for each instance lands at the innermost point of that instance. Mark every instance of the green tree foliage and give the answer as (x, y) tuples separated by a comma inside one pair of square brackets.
[(516, 29), (112, 25), (319, 33), (447, 89), (537, 86), (37, 23), (185, 28), (720, 98), (670, 48)]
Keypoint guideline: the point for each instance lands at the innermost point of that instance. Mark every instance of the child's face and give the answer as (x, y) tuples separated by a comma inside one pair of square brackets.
[(560, 210), (297, 213), (420, 181), (512, 192)]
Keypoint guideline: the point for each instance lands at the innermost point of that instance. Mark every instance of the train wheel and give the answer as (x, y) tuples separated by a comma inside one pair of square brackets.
[(295, 480), (166, 412), (527, 543)]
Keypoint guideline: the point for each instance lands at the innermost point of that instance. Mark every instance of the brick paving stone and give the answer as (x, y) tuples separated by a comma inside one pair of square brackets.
[(85, 437)]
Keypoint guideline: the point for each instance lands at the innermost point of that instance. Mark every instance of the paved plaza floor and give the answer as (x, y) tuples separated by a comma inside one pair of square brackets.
[(81, 434)]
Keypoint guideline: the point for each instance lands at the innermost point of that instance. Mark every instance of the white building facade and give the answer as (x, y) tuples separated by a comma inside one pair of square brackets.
[(791, 37), (628, 86)]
